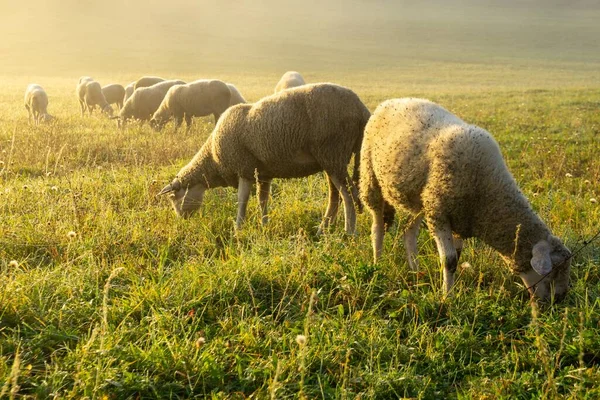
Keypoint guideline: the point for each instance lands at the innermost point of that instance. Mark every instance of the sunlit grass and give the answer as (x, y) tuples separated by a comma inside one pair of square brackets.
[(138, 303)]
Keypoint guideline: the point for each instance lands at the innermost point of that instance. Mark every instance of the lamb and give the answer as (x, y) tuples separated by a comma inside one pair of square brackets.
[(291, 134), (90, 95), (289, 80), (419, 157), (36, 103), (114, 94), (144, 102), (236, 96), (128, 91), (146, 81), (196, 99)]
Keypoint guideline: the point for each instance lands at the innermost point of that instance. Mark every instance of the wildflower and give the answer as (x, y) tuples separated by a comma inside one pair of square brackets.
[(71, 235), (568, 175), (593, 200), (54, 188), (587, 182), (465, 265), (13, 264), (25, 187), (301, 340), (200, 342)]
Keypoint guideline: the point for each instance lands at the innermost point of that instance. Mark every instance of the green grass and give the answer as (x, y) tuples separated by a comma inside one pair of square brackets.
[(141, 304)]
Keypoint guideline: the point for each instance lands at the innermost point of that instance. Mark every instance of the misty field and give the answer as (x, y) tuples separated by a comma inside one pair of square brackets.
[(105, 294)]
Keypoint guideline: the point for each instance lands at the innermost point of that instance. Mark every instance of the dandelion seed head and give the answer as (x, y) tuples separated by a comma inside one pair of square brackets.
[(301, 340)]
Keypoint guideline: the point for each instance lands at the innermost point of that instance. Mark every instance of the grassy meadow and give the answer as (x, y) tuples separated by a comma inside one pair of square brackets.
[(105, 294), (140, 304)]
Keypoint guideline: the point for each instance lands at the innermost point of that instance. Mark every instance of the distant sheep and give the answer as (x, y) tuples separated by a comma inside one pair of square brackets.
[(195, 99), (128, 91), (236, 96), (145, 101), (419, 157), (89, 93), (36, 103), (114, 94), (292, 134), (289, 80), (147, 81)]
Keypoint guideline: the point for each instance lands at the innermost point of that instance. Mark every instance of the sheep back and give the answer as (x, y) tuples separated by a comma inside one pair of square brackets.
[(289, 80), (147, 81), (113, 93), (236, 96), (36, 99), (145, 101)]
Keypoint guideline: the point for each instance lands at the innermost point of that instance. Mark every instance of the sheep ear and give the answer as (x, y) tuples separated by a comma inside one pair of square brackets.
[(540, 260)]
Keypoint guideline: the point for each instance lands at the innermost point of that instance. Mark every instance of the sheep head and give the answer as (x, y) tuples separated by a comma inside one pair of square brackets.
[(185, 199), (548, 278), (108, 110)]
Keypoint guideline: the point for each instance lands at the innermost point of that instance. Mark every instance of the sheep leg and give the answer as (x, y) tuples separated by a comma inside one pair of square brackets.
[(377, 231), (244, 188), (82, 105), (264, 189), (410, 242), (349, 210), (178, 122), (29, 114), (458, 245), (332, 207), (188, 122), (445, 244)]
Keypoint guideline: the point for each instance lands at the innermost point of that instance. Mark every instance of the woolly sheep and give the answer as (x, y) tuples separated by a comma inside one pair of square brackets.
[(128, 91), (289, 80), (195, 99), (236, 96), (292, 134), (114, 94), (36, 103), (90, 95), (145, 101), (146, 81), (419, 157)]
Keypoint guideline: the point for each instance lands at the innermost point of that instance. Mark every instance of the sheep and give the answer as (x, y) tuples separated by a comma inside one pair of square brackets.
[(146, 81), (419, 157), (236, 96), (196, 99), (145, 101), (36, 103), (114, 94), (128, 91), (90, 95), (289, 80), (292, 134)]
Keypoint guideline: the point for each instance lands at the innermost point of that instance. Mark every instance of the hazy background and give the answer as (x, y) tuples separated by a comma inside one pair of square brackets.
[(65, 37)]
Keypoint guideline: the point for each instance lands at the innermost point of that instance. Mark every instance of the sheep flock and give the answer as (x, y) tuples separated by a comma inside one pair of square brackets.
[(410, 156)]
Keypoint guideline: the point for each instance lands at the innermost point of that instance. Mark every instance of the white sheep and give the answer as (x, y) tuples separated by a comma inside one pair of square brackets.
[(236, 96), (114, 94), (195, 99), (292, 134), (145, 101), (289, 80), (36, 103), (89, 93), (128, 91), (146, 81), (419, 157)]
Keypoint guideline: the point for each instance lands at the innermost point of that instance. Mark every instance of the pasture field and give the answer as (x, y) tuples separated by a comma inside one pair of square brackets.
[(137, 303)]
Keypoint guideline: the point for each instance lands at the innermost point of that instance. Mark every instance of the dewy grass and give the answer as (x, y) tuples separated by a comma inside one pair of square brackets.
[(104, 293)]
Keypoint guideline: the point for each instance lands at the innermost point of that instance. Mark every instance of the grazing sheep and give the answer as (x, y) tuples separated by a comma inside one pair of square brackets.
[(147, 81), (114, 94), (196, 99), (236, 96), (292, 134), (90, 95), (128, 91), (145, 101), (419, 157), (289, 80), (36, 103)]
